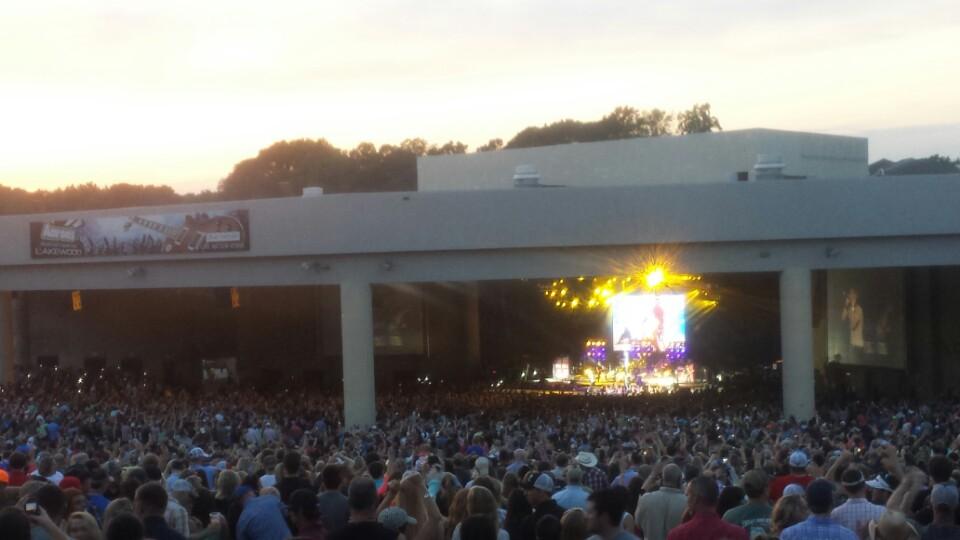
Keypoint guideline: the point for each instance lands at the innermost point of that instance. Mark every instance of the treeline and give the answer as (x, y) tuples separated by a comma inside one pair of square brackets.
[(285, 168)]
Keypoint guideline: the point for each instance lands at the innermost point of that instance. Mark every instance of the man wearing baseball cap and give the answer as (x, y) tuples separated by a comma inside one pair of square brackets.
[(819, 525), (798, 475), (879, 490), (944, 499), (857, 512), (539, 495)]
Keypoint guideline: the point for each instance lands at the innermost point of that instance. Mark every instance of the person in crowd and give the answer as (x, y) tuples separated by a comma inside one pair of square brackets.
[(574, 495), (660, 511), (227, 483), (820, 495), (704, 523), (116, 508), (51, 500), (97, 501), (548, 528), (17, 469), (150, 504), (593, 478), (879, 490), (573, 525), (944, 499), (730, 497), (478, 528), (363, 524), (125, 527), (892, 525), (755, 515), (789, 511), (857, 512), (83, 526), (263, 519), (457, 513), (305, 515), (797, 463), (178, 516), (47, 469), (411, 494), (519, 461), (482, 503), (332, 503), (539, 495), (396, 519), (604, 513), (15, 524), (294, 476)]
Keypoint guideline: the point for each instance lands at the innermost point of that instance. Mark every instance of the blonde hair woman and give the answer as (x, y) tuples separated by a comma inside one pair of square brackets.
[(789, 511), (410, 498), (481, 502), (573, 525), (456, 513), (116, 507), (82, 526)]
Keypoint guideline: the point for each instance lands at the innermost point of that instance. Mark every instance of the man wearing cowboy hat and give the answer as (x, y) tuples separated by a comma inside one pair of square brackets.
[(593, 477)]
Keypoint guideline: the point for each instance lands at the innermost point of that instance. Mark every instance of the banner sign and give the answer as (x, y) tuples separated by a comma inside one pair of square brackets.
[(156, 234)]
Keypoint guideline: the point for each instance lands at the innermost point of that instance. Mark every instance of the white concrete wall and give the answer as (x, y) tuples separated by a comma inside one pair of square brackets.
[(692, 159), (384, 223)]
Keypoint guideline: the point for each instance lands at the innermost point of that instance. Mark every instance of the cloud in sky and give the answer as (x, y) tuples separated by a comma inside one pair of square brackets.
[(177, 92)]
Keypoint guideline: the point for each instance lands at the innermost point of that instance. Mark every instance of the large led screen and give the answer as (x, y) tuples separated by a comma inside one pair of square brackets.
[(649, 322)]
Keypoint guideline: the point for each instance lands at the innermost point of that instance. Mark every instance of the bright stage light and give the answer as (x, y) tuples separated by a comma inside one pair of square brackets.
[(654, 278)]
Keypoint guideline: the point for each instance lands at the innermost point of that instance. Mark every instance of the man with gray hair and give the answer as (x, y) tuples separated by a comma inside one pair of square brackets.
[(47, 468), (574, 495), (519, 461), (659, 511)]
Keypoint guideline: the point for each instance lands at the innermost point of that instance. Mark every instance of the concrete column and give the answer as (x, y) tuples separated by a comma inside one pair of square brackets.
[(21, 331), (6, 338), (359, 389), (472, 291), (796, 342)]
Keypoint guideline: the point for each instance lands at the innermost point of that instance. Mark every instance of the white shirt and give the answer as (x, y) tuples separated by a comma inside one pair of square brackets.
[(501, 534), (54, 478)]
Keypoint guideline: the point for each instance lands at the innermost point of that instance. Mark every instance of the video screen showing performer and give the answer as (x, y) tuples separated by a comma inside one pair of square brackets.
[(866, 317)]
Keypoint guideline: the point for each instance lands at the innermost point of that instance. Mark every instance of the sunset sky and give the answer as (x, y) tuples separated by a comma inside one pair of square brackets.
[(176, 92)]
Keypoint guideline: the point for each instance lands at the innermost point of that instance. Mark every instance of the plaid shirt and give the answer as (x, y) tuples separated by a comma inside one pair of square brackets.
[(177, 517), (595, 479), (855, 514), (817, 528)]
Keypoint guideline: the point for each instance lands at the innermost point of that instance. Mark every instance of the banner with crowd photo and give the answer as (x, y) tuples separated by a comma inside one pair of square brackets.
[(141, 234), (865, 317)]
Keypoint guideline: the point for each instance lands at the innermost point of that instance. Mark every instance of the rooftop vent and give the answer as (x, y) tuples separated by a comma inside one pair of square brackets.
[(313, 191), (526, 176), (769, 167)]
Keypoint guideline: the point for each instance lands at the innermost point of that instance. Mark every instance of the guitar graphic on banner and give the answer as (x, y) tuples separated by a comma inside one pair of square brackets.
[(196, 235)]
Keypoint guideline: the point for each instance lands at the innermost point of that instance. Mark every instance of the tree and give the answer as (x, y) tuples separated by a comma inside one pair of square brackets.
[(699, 119), (492, 144), (448, 148), (285, 168)]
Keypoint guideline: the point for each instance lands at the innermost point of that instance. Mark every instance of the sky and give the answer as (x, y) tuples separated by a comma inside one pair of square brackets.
[(177, 92)]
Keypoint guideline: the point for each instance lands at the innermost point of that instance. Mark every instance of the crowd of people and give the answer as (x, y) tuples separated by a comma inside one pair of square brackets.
[(89, 458)]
